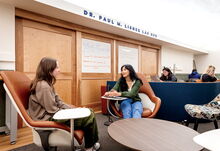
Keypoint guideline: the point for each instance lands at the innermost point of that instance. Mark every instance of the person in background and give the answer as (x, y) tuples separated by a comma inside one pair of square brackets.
[(194, 75), (167, 75), (128, 86), (209, 75), (44, 103)]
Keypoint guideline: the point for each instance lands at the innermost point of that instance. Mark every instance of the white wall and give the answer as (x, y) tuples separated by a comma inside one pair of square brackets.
[(183, 60), (7, 37), (203, 61)]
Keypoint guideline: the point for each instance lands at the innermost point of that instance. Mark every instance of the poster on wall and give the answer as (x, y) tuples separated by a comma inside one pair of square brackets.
[(127, 55), (96, 56)]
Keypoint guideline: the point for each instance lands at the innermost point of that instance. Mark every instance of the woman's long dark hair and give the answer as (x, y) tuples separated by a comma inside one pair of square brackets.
[(133, 76), (163, 78), (44, 72)]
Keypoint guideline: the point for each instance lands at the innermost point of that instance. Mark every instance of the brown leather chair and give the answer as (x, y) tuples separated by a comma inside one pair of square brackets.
[(150, 106), (17, 86)]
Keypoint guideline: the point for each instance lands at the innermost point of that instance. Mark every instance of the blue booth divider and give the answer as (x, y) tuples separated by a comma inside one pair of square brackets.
[(175, 95), (110, 85)]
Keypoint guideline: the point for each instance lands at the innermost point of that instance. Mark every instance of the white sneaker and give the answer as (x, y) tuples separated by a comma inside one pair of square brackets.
[(96, 146), (89, 149)]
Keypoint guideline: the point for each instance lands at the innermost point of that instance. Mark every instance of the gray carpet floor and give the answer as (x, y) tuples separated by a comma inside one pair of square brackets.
[(107, 143)]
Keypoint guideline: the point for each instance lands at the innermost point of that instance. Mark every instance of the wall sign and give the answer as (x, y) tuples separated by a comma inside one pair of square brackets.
[(116, 23)]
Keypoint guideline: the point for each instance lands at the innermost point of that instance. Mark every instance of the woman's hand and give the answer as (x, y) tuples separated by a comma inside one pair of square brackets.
[(211, 73), (110, 93), (107, 94), (114, 93)]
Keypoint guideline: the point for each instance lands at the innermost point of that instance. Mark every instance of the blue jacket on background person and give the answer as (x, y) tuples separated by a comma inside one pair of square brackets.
[(194, 75)]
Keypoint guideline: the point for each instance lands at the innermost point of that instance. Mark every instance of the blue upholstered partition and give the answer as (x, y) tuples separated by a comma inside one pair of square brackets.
[(110, 85), (175, 95)]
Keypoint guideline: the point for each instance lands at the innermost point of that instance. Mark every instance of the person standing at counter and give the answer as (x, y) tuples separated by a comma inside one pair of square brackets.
[(209, 76), (167, 75)]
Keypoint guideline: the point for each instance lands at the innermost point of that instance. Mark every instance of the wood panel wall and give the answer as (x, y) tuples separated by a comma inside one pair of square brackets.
[(149, 61), (37, 40), (38, 36)]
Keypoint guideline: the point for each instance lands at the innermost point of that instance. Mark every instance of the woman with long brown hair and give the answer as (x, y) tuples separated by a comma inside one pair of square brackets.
[(44, 102), (128, 86), (167, 75)]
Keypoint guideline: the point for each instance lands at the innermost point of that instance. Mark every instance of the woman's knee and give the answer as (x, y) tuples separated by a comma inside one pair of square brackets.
[(90, 118), (125, 103), (92, 115), (137, 106)]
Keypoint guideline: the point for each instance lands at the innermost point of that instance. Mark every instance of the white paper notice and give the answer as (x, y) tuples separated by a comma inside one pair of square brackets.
[(127, 55), (96, 56)]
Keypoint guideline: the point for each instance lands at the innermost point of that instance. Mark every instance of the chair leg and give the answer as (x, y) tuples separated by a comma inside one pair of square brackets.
[(44, 136), (216, 124), (196, 124), (186, 122)]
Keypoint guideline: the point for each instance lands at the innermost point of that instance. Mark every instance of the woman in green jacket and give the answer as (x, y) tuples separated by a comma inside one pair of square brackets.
[(44, 102), (128, 86)]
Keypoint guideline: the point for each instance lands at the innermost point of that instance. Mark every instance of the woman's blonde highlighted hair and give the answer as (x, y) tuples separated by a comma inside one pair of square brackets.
[(210, 69)]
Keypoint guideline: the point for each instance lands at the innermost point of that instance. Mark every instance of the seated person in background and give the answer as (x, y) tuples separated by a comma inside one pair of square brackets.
[(167, 75), (209, 76), (194, 75), (154, 78), (128, 86), (44, 102)]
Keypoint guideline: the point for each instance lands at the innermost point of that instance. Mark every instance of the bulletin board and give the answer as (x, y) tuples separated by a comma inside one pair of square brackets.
[(96, 56), (127, 55)]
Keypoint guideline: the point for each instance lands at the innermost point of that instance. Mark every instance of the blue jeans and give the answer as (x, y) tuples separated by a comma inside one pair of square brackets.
[(131, 110)]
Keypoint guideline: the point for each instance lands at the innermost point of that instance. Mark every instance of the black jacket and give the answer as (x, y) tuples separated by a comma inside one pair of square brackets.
[(169, 78), (208, 78)]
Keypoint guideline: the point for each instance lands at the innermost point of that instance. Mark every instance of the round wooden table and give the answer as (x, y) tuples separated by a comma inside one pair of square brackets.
[(153, 135)]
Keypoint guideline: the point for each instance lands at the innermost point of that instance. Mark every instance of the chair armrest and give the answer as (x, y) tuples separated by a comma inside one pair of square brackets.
[(157, 102), (49, 124)]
